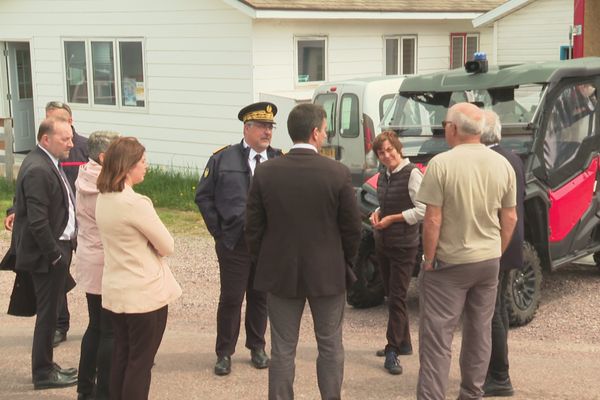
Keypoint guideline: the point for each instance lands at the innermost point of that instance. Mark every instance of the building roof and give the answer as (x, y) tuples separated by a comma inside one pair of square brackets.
[(427, 6), (500, 12)]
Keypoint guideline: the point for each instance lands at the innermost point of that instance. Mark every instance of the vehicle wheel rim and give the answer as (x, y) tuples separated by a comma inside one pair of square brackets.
[(523, 288)]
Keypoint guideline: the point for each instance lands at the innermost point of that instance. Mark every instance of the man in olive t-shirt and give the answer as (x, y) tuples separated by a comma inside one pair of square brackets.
[(470, 193)]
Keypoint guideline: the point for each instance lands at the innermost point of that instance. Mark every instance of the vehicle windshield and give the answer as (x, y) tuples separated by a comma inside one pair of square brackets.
[(417, 116)]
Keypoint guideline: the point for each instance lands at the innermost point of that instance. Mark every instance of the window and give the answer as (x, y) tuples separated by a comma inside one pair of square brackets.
[(462, 48), (570, 122), (24, 74), (111, 70), (310, 53), (400, 55), (349, 118), (329, 102)]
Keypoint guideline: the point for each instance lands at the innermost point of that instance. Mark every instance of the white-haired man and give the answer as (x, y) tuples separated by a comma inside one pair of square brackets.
[(470, 193)]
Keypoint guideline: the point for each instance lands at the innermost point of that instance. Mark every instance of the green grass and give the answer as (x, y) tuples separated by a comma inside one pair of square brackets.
[(171, 192), (7, 191), (170, 189)]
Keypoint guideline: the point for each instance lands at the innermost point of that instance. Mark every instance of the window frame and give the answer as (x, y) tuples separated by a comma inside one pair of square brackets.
[(400, 49), (465, 36), (297, 40), (115, 41)]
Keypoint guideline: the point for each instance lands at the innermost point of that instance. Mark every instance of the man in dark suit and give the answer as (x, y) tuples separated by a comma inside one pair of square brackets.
[(77, 157), (221, 198), (43, 230), (497, 382), (303, 228)]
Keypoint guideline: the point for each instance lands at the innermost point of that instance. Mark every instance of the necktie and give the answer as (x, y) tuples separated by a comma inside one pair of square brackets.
[(257, 158), (66, 183)]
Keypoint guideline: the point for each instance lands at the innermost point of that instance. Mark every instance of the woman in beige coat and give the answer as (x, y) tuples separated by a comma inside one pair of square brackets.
[(137, 284)]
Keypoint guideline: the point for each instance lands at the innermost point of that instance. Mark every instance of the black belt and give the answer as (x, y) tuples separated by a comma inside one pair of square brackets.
[(72, 243)]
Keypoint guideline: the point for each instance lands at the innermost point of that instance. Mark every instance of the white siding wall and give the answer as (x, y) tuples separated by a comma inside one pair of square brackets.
[(535, 32), (198, 68), (354, 49)]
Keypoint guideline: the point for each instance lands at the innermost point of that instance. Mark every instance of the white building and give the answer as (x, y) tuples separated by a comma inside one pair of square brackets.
[(529, 30), (174, 74)]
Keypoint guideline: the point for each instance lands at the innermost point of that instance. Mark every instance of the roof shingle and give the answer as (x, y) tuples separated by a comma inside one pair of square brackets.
[(377, 5)]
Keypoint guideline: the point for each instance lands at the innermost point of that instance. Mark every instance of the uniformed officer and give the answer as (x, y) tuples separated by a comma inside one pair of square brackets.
[(221, 197)]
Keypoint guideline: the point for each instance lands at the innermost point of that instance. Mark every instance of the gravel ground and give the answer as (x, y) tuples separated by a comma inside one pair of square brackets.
[(556, 356)]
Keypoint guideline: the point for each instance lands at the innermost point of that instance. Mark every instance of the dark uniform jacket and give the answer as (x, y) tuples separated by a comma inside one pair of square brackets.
[(302, 225), (78, 156), (513, 255), (222, 192), (394, 198)]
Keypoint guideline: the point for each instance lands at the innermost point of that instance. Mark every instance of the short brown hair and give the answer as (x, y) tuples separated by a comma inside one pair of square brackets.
[(119, 159), (391, 137), (48, 127), (303, 119)]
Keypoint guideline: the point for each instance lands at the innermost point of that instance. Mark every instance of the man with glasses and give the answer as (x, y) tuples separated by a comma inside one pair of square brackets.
[(470, 215), (221, 197), (77, 157)]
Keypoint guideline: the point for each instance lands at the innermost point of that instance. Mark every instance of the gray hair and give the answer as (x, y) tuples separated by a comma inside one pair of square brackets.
[(468, 125), (492, 129), (98, 142)]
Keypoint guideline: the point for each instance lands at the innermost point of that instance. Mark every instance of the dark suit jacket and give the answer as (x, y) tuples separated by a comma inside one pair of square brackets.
[(77, 157), (302, 225), (513, 255), (42, 214)]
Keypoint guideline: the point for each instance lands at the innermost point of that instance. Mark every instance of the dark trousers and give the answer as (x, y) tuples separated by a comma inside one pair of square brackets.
[(498, 368), (237, 277), (96, 350), (396, 265), (64, 316), (49, 287), (328, 317), (137, 338)]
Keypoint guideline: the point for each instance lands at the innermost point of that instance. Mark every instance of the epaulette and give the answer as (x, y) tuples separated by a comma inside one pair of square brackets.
[(221, 149)]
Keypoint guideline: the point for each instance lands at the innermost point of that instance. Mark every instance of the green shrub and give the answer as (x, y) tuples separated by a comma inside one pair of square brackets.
[(170, 189)]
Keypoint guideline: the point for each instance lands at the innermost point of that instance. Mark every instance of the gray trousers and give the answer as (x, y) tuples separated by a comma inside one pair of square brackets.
[(284, 316), (445, 294)]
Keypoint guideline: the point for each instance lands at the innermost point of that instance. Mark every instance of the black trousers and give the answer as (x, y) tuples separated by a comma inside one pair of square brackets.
[(396, 265), (49, 287), (96, 350), (237, 278), (64, 316), (137, 338), (498, 368)]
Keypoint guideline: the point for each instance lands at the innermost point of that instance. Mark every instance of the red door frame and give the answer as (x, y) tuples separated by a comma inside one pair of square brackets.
[(578, 19)]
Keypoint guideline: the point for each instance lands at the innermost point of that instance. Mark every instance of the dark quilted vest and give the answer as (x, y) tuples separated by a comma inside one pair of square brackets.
[(393, 199)]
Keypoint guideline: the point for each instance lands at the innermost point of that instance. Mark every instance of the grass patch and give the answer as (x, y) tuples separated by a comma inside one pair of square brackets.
[(7, 190), (170, 189), (183, 223), (171, 192)]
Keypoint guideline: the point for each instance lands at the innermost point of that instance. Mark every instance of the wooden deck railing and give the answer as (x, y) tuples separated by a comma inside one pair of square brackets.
[(6, 136)]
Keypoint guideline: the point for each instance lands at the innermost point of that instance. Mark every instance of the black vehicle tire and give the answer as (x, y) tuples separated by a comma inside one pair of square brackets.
[(368, 289), (524, 289), (597, 259)]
